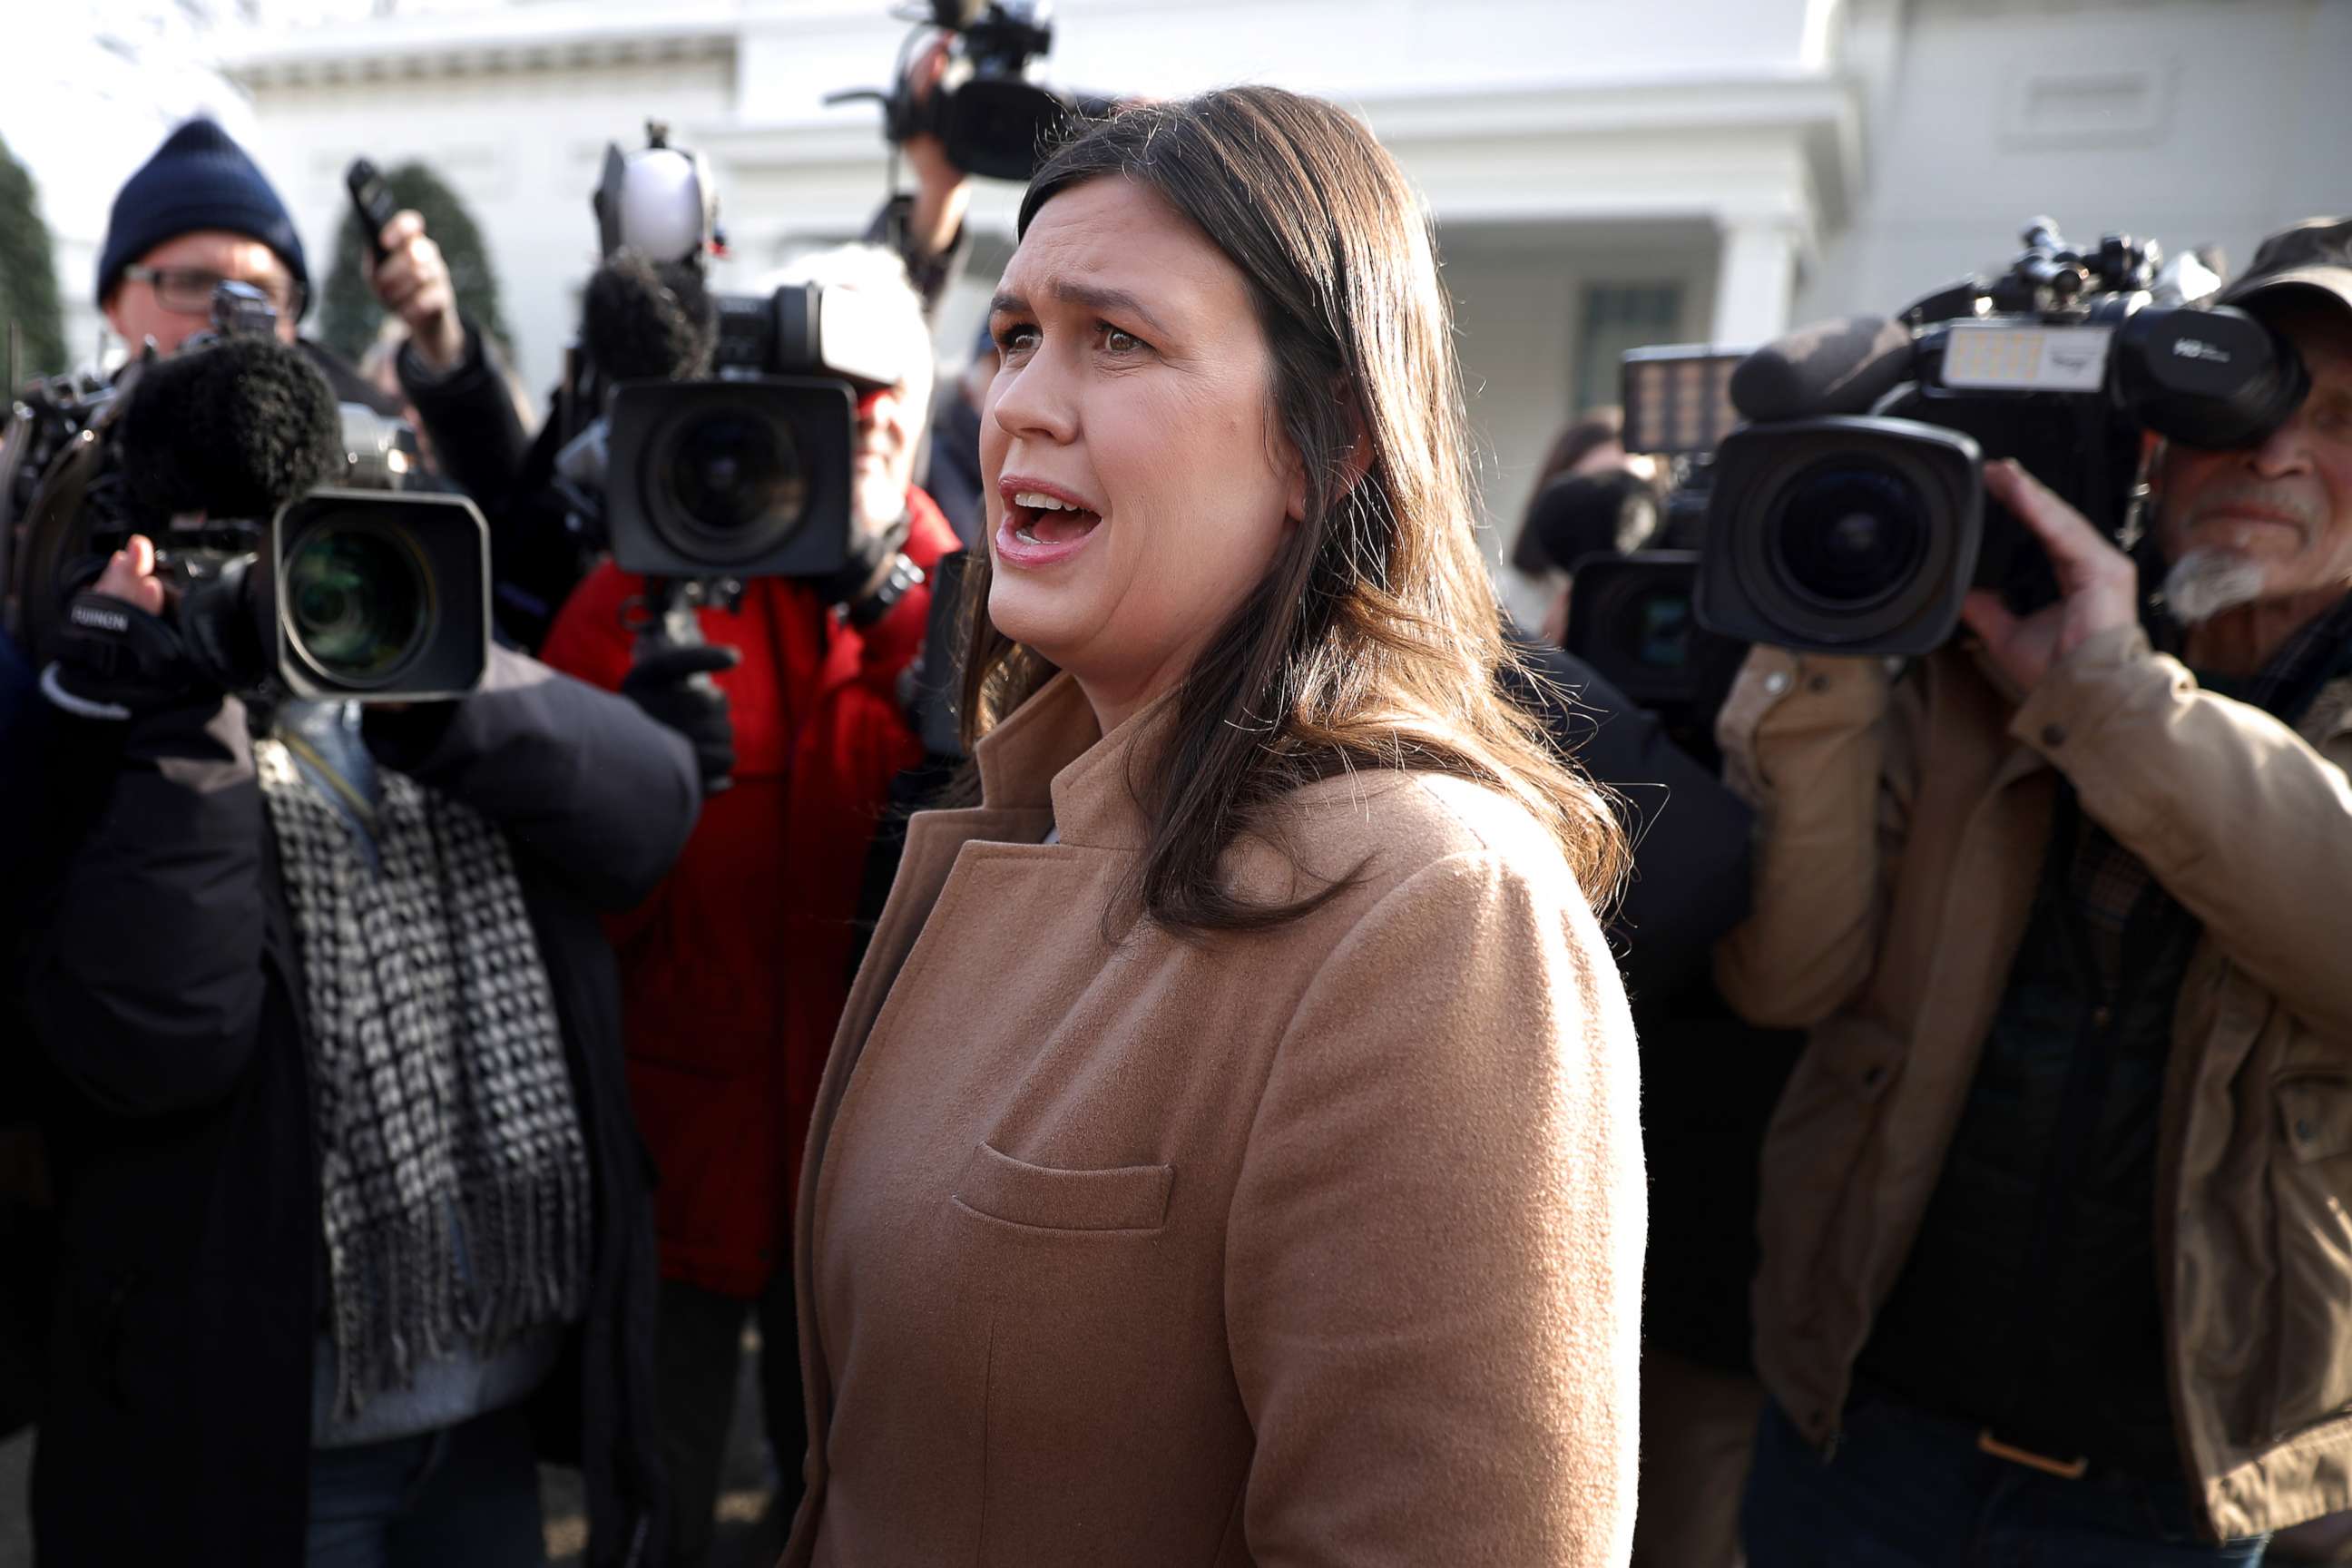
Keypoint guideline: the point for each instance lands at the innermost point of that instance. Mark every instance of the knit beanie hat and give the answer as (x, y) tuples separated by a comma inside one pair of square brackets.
[(198, 179)]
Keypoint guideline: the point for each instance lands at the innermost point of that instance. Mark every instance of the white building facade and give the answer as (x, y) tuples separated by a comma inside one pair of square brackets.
[(85, 96), (1603, 174)]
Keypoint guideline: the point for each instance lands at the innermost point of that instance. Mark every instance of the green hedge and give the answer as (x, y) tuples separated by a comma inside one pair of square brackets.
[(28, 275)]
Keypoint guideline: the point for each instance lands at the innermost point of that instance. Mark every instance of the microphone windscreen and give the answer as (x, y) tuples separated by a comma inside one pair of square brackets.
[(642, 322), (1840, 366), (233, 430)]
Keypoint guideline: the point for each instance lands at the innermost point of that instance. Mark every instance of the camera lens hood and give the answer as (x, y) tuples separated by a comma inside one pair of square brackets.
[(1841, 535)]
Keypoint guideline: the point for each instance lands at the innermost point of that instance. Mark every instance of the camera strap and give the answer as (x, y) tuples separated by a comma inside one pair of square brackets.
[(903, 576), (349, 793), (876, 575)]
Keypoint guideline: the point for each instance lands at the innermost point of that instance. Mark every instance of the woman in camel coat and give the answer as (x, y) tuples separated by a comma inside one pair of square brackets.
[(1229, 1154)]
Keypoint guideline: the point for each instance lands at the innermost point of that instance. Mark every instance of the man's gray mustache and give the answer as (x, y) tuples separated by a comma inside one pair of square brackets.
[(2265, 497)]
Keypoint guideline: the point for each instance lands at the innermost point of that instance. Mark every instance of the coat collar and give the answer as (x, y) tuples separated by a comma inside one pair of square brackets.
[(1050, 754)]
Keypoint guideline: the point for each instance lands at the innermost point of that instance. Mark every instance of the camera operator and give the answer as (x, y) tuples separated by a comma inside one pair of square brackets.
[(352, 1210), (199, 212), (1590, 495), (926, 226), (735, 972), (541, 552), (2053, 1210)]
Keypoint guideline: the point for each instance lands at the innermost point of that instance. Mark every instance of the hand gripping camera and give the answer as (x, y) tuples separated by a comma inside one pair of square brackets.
[(1850, 516)]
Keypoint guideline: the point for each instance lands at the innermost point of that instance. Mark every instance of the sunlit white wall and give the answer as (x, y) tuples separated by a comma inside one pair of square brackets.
[(89, 90), (2191, 120)]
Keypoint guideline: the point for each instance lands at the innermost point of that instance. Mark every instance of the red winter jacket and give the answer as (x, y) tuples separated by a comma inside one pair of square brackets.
[(733, 972)]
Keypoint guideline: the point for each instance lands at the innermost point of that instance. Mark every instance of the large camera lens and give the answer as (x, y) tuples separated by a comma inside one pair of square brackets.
[(356, 601), (736, 483), (1847, 535), (1842, 535)]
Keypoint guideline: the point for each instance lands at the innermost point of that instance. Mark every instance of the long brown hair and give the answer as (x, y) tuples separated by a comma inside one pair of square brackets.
[(1374, 642)]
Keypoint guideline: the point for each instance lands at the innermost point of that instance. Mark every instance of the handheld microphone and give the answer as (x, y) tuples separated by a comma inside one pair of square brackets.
[(1840, 366)]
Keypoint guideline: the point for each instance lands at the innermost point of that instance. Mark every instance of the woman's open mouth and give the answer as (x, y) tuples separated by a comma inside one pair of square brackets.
[(1041, 519), (1042, 524)]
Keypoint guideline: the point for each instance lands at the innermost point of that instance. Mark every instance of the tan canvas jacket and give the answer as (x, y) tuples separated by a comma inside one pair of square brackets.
[(1316, 1246), (1903, 826)]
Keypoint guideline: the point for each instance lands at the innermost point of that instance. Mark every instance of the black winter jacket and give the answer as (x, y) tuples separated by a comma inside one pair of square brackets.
[(163, 991), (478, 440), (1710, 1080), (1689, 884)]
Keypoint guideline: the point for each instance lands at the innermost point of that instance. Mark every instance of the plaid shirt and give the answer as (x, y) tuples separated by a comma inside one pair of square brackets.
[(2107, 881)]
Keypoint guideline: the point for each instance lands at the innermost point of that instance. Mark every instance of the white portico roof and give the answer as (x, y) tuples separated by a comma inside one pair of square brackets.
[(1731, 127)]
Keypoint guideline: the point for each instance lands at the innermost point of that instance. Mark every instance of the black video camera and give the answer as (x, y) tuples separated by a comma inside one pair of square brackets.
[(1630, 611), (989, 114), (1851, 516), (283, 585), (751, 472)]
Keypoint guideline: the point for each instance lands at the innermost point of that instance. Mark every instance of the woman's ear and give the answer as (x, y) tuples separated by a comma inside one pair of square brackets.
[(1354, 464), (1358, 460)]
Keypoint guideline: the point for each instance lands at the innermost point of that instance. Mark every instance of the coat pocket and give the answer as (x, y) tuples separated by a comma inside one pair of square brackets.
[(997, 1186), (2311, 1189)]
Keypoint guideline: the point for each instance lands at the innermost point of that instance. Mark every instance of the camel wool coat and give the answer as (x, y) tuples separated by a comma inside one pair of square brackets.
[(1319, 1244)]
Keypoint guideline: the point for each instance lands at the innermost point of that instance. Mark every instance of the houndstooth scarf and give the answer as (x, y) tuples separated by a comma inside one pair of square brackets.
[(454, 1181)]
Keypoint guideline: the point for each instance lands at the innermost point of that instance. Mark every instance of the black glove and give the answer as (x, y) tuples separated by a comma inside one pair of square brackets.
[(673, 684), (114, 660)]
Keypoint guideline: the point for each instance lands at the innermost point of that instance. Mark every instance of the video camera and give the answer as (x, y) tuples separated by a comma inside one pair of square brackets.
[(749, 472), (1850, 516), (722, 441), (1630, 610), (297, 563), (988, 112)]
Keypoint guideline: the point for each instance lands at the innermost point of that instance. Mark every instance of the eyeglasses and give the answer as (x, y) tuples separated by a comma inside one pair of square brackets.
[(189, 289)]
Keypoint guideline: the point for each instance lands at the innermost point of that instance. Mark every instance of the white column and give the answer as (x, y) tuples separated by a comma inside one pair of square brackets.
[(1755, 280)]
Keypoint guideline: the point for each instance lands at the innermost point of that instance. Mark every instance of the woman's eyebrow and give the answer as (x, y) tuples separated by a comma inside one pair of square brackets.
[(1091, 296)]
